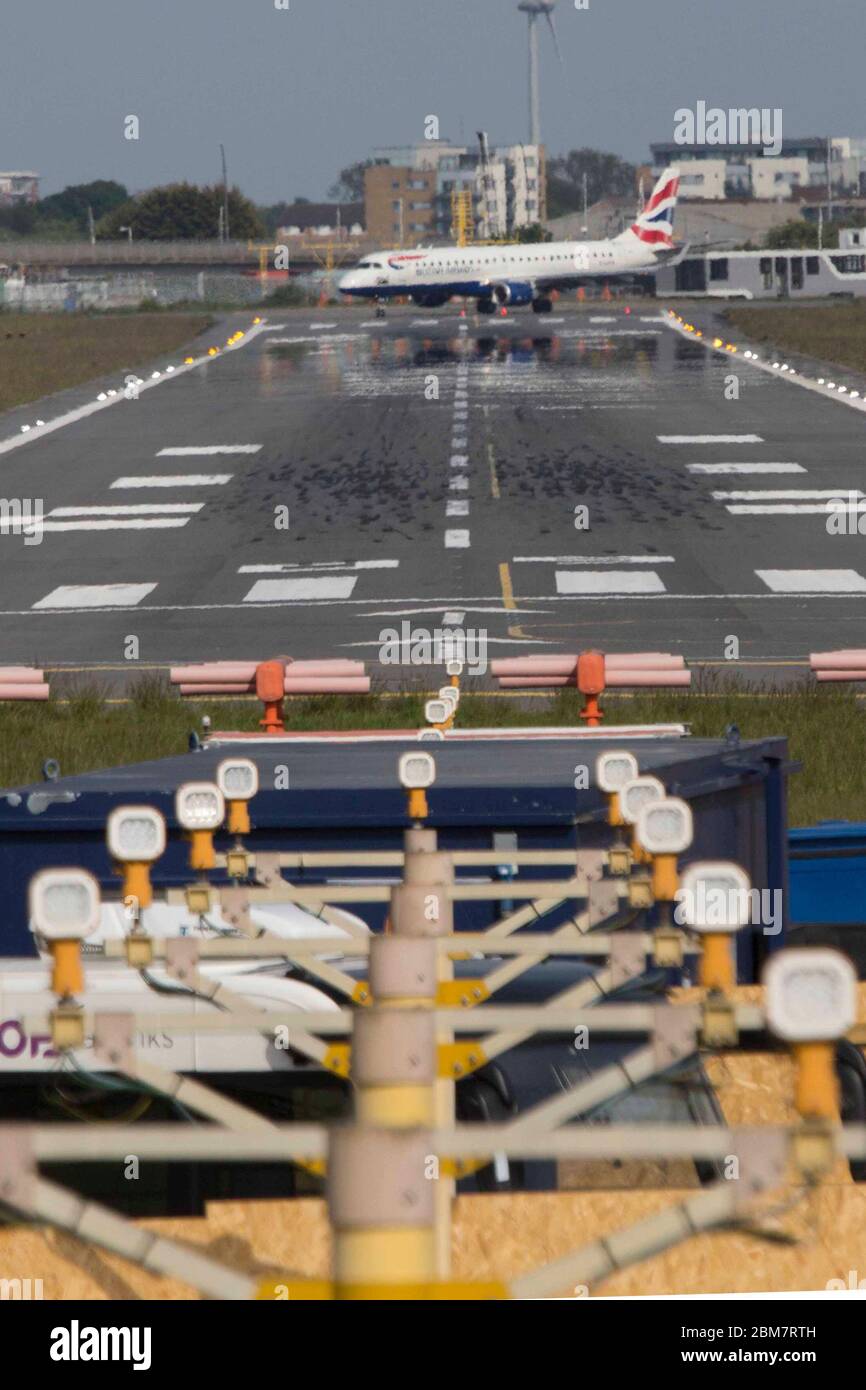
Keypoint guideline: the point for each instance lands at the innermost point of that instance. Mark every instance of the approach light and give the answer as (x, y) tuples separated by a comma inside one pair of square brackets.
[(135, 836), (64, 909), (713, 899), (238, 780), (417, 772), (811, 1001)]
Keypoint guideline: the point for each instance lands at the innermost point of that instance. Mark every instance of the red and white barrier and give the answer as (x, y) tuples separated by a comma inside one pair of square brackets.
[(592, 673), (271, 681), (848, 665), (22, 683)]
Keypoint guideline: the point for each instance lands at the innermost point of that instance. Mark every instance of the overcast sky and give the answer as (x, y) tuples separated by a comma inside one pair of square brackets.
[(297, 94)]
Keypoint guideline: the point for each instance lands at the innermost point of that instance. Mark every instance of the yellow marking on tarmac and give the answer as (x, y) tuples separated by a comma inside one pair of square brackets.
[(507, 590), (508, 600)]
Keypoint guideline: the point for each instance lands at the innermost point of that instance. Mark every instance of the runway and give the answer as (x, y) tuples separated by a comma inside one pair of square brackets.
[(580, 480)]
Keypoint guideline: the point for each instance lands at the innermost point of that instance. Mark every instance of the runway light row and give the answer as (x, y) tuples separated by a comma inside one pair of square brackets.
[(155, 376), (755, 357)]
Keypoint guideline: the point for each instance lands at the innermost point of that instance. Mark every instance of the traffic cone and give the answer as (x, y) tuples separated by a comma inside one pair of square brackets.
[(581, 295), (605, 294)]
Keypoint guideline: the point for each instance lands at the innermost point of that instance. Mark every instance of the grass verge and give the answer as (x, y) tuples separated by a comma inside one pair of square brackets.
[(82, 731), (43, 353), (834, 333)]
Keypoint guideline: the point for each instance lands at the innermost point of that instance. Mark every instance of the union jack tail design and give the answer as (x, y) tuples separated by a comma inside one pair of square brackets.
[(655, 225)]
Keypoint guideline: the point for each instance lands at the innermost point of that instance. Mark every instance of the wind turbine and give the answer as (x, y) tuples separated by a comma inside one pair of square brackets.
[(533, 9)]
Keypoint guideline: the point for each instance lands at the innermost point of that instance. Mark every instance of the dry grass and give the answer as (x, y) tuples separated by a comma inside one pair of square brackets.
[(833, 333), (42, 353), (83, 731)]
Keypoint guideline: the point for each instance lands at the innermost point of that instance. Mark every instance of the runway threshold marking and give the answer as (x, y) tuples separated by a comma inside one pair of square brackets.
[(709, 438), (95, 596), (745, 468), (130, 509), (336, 586), (813, 581), (173, 480), (608, 582), (185, 450)]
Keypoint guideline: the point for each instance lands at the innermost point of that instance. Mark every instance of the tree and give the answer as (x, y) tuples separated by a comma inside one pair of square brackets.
[(606, 176), (349, 187), (70, 205), (799, 234), (183, 212), (533, 231)]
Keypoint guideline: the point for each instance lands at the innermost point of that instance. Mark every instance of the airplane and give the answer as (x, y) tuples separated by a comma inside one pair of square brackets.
[(518, 272)]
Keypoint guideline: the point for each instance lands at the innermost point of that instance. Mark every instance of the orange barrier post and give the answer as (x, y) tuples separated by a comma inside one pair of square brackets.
[(590, 682), (270, 688)]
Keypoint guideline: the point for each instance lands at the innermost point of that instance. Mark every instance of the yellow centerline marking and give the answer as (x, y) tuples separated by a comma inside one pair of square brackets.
[(508, 599)]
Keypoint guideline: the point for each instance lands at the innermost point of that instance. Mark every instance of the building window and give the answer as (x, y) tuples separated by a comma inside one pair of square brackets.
[(849, 265), (395, 183), (796, 272), (813, 265), (766, 268), (719, 269)]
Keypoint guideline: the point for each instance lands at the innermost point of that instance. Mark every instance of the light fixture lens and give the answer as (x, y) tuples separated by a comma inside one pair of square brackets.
[(665, 827), (64, 904), (437, 711), (416, 770), (638, 792), (713, 897), (135, 834), (200, 806), (238, 779), (811, 994), (613, 770)]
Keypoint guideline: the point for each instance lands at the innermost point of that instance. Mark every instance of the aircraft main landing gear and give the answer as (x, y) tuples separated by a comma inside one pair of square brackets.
[(542, 305), (486, 306)]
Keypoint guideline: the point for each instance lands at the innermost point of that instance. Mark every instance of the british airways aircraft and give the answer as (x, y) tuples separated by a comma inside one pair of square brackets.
[(518, 273)]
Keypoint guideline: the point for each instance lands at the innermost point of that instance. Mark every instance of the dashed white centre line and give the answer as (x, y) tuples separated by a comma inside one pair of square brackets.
[(456, 540), (457, 506)]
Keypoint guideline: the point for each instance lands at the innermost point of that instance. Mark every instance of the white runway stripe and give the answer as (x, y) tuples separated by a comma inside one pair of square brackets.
[(184, 450), (608, 582), (283, 590), (792, 509), (709, 438), (293, 566), (459, 460), (96, 596), (456, 540), (174, 480), (457, 506), (745, 468), (459, 484), (787, 494), (157, 523), (593, 559), (813, 581), (132, 509)]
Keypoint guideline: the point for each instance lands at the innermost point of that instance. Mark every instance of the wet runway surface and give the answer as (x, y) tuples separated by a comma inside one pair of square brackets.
[(338, 482)]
